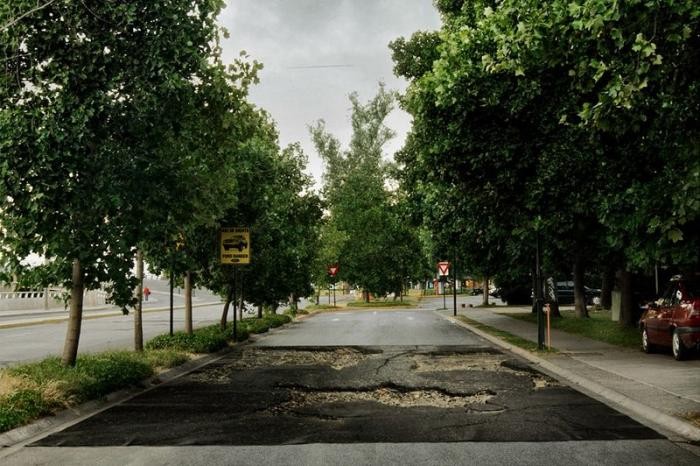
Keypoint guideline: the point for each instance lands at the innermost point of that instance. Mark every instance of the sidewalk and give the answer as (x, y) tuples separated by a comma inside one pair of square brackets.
[(654, 389)]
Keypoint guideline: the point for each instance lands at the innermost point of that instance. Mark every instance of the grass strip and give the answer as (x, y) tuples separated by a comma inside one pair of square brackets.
[(404, 303), (37, 389), (30, 391), (599, 326), (506, 336)]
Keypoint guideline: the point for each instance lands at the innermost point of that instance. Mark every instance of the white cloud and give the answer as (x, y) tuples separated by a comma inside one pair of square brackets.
[(293, 38)]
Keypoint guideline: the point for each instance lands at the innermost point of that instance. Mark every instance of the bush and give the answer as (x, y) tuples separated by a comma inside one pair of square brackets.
[(20, 407), (166, 359), (204, 340), (256, 325), (276, 320)]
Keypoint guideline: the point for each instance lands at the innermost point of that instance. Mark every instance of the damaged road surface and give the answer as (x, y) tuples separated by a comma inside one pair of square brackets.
[(389, 401)]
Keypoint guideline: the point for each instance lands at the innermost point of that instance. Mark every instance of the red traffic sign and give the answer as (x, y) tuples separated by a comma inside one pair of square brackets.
[(443, 269), (333, 270)]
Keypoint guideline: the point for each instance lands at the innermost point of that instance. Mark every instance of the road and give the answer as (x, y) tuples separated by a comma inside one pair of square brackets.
[(359, 387)]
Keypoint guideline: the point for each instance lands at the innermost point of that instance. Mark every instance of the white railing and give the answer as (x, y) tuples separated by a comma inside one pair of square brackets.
[(50, 298)]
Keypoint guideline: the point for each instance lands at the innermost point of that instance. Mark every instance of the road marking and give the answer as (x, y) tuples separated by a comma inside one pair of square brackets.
[(410, 318), (335, 320)]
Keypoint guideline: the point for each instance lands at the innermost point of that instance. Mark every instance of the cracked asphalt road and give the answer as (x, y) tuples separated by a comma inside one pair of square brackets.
[(362, 378)]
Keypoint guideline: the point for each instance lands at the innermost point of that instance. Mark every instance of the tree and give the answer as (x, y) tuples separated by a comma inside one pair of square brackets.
[(363, 212), (524, 93), (87, 93)]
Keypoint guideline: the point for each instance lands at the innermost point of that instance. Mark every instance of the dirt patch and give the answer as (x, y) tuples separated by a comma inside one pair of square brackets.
[(336, 359), (252, 358), (384, 395), (539, 382), (693, 417), (461, 362)]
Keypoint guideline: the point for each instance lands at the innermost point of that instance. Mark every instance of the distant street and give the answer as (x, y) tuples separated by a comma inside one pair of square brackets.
[(360, 387)]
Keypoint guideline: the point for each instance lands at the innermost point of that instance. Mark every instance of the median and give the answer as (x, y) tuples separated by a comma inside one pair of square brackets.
[(34, 390)]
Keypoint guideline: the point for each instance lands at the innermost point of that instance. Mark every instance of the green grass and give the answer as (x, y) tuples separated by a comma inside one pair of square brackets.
[(319, 307), (598, 327), (506, 336), (397, 303)]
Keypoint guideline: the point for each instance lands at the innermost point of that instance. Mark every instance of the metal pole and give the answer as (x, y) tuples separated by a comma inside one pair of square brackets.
[(454, 283), (538, 294), (234, 303), (444, 293), (172, 284), (334, 293), (656, 278)]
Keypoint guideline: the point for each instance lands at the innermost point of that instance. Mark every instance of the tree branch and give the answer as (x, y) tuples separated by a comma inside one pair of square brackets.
[(14, 21)]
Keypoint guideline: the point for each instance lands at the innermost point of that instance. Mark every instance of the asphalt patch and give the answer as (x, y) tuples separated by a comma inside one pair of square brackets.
[(276, 395)]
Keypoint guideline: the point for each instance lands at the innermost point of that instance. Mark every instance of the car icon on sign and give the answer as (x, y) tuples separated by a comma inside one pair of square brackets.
[(237, 242)]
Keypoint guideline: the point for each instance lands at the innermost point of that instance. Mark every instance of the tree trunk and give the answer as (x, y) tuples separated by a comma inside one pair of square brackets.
[(188, 302), (579, 291), (138, 312), (75, 317), (224, 314), (627, 305), (606, 288), (318, 297), (260, 311), (485, 300), (551, 297), (365, 295)]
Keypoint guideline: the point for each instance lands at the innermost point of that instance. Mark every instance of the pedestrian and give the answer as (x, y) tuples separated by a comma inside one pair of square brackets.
[(146, 292)]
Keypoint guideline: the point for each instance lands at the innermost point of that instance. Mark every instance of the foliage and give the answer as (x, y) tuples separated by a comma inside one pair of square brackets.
[(202, 340), (575, 121), (20, 406), (364, 233), (41, 388)]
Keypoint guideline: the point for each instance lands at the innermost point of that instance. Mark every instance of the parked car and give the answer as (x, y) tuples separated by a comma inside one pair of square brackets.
[(476, 291), (565, 293), (674, 319)]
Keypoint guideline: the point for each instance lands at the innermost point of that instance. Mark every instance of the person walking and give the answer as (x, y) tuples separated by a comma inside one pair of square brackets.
[(146, 293)]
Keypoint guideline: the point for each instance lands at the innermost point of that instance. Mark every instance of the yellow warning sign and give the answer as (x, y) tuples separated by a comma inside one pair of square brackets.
[(235, 245)]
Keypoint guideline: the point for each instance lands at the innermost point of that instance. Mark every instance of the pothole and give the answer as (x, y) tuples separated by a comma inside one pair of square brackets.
[(540, 381), (464, 362), (388, 396), (337, 359)]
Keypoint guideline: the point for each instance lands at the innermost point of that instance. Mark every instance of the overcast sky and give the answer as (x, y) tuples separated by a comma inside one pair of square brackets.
[(302, 42)]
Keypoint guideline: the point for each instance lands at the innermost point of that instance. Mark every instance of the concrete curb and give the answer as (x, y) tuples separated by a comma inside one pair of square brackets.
[(645, 414)]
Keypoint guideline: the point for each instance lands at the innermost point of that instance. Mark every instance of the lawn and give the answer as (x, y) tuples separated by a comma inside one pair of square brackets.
[(598, 327), (506, 336)]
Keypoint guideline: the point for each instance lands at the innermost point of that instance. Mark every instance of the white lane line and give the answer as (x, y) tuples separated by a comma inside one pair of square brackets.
[(335, 320)]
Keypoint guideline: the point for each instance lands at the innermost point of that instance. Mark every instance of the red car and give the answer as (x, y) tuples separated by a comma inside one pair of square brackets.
[(674, 320)]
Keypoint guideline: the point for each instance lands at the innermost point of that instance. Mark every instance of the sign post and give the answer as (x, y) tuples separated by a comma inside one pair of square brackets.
[(234, 249), (443, 272), (332, 272)]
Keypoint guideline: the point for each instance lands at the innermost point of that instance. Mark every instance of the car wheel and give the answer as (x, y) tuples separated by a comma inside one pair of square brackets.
[(679, 351), (647, 347)]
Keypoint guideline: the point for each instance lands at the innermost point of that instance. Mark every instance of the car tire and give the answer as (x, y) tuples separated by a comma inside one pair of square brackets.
[(679, 350), (647, 347)]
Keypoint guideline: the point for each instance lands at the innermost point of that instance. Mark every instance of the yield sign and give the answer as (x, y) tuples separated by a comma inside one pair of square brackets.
[(443, 269), (333, 270)]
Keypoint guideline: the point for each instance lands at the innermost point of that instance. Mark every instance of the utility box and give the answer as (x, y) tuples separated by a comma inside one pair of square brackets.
[(616, 305)]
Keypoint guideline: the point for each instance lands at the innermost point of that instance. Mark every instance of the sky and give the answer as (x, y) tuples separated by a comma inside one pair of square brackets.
[(316, 52)]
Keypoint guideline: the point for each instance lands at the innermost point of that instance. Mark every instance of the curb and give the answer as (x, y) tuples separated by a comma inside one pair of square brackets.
[(649, 416)]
